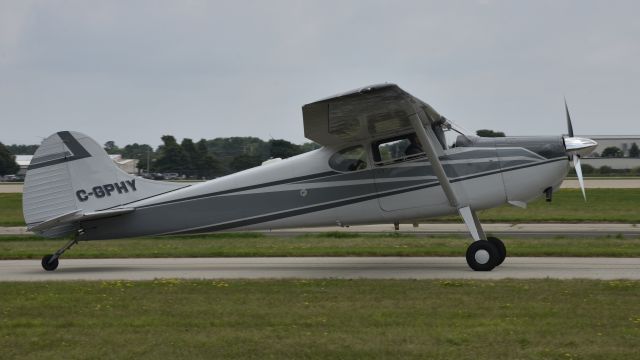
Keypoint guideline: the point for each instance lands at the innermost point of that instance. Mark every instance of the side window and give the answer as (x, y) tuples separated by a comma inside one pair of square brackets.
[(349, 159), (397, 149)]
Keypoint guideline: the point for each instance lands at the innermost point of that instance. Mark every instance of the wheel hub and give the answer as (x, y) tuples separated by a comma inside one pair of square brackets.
[(482, 256)]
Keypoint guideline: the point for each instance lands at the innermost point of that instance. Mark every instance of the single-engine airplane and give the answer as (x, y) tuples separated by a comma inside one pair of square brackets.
[(384, 159)]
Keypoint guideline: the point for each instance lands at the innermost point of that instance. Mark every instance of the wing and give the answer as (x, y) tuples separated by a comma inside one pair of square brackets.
[(369, 112)]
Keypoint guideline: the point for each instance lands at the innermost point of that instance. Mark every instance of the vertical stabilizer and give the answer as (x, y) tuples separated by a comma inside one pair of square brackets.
[(71, 173)]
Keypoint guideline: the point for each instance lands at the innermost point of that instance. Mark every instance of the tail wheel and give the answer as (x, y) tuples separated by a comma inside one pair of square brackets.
[(502, 250), (482, 255), (49, 264)]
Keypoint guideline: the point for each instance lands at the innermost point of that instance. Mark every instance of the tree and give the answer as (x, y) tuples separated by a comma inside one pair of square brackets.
[(634, 152), (586, 170), (243, 162), (206, 165), (8, 163), (490, 133), (140, 152), (189, 149), (605, 169), (22, 149), (612, 151), (111, 148), (171, 157), (283, 149), (228, 148), (309, 146)]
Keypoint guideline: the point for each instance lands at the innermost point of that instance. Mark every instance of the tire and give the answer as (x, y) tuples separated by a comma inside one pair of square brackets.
[(502, 250), (482, 255), (49, 266)]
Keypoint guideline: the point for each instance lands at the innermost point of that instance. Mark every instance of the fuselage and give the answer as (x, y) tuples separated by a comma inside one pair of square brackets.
[(315, 189)]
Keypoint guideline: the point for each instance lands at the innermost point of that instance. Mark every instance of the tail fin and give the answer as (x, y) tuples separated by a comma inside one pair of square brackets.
[(71, 174)]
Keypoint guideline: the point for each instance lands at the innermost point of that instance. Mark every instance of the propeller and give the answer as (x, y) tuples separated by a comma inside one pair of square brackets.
[(577, 147), (569, 126)]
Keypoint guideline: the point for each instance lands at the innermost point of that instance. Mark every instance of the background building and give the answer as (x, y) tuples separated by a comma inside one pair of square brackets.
[(622, 142)]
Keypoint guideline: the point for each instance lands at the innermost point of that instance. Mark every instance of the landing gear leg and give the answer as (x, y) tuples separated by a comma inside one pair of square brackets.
[(50, 262), (482, 255)]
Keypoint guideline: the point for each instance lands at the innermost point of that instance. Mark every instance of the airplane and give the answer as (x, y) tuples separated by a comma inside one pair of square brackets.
[(384, 159)]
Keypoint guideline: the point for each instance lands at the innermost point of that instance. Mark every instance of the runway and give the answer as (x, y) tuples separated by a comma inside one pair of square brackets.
[(321, 268)]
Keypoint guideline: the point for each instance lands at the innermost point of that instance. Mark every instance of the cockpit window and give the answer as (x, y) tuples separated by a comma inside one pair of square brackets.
[(397, 149), (350, 159)]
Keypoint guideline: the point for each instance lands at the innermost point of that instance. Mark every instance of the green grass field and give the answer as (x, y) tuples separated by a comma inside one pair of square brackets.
[(328, 244), (11, 209), (604, 205), (321, 319)]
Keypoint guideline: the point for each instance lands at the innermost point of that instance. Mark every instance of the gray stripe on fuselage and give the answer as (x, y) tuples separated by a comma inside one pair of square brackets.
[(301, 211), (491, 153), (244, 188), (228, 211), (413, 169)]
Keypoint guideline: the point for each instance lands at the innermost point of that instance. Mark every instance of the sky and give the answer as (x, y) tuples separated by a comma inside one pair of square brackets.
[(132, 71)]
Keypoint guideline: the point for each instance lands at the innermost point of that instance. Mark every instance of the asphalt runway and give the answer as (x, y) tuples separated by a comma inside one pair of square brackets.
[(321, 268), (11, 188)]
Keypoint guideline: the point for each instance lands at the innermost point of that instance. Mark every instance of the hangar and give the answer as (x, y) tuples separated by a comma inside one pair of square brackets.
[(623, 142)]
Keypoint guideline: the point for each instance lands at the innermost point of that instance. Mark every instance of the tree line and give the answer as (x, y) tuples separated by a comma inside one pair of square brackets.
[(8, 164), (201, 159), (207, 158), (216, 157)]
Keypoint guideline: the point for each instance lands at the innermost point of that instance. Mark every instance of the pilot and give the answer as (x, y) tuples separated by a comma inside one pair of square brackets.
[(414, 146)]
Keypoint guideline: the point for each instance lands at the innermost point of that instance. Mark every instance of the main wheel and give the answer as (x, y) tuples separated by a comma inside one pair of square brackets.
[(482, 255), (49, 265), (502, 250)]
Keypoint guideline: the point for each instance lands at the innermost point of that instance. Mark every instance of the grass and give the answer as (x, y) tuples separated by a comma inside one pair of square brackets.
[(328, 244), (321, 319), (604, 205), (11, 209)]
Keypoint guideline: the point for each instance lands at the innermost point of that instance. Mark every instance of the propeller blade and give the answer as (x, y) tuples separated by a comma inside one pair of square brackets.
[(569, 126), (576, 165)]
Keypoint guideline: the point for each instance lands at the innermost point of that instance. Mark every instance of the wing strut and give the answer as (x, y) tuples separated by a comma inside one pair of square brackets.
[(427, 138)]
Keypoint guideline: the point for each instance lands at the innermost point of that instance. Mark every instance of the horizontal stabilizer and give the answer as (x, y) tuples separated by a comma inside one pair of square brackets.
[(76, 216)]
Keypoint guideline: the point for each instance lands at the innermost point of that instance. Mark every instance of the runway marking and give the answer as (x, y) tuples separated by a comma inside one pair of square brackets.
[(320, 268)]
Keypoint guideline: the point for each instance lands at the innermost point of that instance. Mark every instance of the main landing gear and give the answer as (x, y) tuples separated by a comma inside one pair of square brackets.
[(50, 262), (484, 255)]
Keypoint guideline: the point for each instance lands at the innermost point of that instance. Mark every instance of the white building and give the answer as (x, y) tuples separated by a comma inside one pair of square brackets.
[(129, 166), (23, 161), (623, 142)]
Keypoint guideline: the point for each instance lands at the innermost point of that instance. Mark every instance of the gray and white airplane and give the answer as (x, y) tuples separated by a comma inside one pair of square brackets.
[(384, 159)]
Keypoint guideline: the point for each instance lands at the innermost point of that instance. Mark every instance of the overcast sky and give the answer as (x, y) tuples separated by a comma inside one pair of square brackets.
[(131, 71)]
